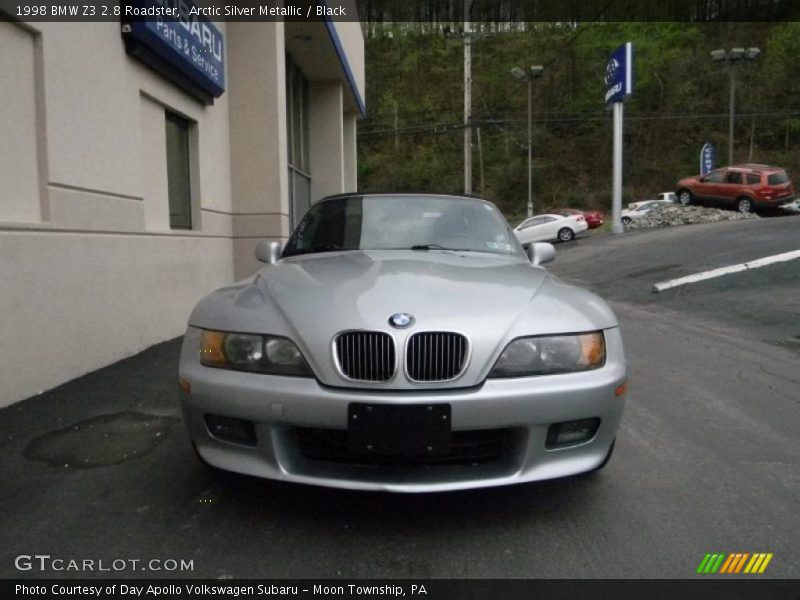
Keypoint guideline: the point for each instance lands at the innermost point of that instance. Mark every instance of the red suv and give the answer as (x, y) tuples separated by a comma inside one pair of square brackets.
[(747, 187)]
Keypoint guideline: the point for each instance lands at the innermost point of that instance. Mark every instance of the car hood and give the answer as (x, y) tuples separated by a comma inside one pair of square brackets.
[(491, 299)]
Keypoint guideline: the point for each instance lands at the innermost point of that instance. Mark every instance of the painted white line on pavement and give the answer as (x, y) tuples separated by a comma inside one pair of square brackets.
[(753, 264)]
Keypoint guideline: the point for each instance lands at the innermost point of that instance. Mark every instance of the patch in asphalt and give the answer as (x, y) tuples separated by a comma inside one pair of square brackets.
[(100, 441)]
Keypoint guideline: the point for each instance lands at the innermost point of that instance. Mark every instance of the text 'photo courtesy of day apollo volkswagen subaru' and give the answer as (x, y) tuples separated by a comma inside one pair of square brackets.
[(408, 343)]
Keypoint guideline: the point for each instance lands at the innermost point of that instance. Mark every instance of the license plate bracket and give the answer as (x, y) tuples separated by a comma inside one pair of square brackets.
[(399, 430)]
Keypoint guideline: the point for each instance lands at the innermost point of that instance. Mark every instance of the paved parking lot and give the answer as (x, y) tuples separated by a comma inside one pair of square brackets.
[(707, 459)]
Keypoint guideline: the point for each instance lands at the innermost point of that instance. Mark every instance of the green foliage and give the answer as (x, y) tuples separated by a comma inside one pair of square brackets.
[(412, 138)]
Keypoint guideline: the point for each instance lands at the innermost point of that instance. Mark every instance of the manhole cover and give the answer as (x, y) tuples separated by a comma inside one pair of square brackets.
[(103, 440)]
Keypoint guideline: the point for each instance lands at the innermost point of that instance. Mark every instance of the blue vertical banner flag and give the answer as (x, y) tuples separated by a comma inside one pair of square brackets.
[(708, 159), (619, 74)]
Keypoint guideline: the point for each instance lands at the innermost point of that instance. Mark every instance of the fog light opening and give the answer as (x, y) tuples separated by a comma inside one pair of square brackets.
[(228, 429), (571, 433)]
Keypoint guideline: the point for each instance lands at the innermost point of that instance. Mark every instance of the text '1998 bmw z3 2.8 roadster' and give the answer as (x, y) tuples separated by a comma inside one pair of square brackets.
[(403, 342)]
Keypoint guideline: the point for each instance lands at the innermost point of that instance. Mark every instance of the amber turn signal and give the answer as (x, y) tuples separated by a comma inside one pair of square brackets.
[(211, 351)]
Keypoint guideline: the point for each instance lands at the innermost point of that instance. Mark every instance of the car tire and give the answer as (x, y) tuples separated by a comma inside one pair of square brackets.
[(626, 220), (565, 234), (744, 205), (685, 197)]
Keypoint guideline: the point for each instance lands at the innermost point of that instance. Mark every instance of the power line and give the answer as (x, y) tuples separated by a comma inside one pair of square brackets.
[(439, 128)]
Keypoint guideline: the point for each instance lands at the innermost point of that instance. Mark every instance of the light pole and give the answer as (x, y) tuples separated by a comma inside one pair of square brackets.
[(733, 56), (532, 73)]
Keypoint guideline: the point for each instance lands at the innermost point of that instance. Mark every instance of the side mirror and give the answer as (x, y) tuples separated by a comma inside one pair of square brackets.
[(703, 179), (541, 253), (268, 252)]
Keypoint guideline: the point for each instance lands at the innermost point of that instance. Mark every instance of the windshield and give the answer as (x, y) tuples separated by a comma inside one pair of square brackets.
[(402, 222)]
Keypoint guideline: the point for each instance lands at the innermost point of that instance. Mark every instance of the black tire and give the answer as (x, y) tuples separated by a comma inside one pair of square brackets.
[(685, 197), (565, 234), (626, 220), (744, 205)]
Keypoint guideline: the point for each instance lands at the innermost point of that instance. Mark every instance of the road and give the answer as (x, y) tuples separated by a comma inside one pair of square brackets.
[(707, 458)]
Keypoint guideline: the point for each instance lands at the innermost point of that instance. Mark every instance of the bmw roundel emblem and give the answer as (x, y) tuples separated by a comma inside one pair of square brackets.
[(401, 320)]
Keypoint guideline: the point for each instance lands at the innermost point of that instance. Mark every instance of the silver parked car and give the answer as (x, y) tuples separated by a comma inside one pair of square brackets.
[(408, 343)]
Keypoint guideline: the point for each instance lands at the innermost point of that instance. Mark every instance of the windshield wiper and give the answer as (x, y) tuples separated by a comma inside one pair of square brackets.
[(431, 247), (326, 248)]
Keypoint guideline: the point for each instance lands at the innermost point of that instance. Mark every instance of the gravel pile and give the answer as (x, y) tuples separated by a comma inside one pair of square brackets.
[(669, 215)]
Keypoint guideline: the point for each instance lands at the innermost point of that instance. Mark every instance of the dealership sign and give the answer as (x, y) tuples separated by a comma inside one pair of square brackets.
[(619, 74), (179, 43), (708, 158)]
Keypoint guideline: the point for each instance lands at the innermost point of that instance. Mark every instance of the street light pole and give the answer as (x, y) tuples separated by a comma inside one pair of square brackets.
[(731, 57), (532, 73), (730, 116)]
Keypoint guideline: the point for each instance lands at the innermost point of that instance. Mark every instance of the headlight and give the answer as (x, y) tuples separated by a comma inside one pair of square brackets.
[(268, 354), (548, 355)]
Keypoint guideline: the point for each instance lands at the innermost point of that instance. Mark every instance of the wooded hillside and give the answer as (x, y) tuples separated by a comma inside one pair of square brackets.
[(412, 137)]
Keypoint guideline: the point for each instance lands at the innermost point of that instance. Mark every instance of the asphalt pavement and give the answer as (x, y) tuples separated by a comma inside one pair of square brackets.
[(707, 459)]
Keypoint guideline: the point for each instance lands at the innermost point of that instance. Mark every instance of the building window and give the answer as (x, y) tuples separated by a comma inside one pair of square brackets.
[(297, 141), (179, 186)]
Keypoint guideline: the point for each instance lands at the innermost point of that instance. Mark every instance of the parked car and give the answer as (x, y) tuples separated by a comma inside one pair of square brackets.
[(545, 228), (746, 187), (407, 343), (793, 207), (640, 209), (594, 218), (662, 197), (668, 196)]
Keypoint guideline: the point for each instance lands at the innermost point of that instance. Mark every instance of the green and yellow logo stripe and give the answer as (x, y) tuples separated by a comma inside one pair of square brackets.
[(737, 562)]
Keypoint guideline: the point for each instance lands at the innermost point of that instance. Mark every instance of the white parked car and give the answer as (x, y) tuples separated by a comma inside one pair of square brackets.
[(640, 209), (544, 228), (668, 196), (662, 197), (793, 207)]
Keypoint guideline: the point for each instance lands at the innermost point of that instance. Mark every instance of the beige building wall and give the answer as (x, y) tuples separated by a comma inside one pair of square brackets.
[(350, 163), (92, 271), (257, 70), (326, 138)]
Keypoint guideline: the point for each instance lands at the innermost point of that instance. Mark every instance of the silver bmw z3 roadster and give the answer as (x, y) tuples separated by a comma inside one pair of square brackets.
[(407, 343)]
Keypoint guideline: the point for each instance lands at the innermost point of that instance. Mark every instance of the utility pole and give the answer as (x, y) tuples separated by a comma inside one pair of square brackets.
[(467, 99), (480, 160), (396, 140), (530, 149)]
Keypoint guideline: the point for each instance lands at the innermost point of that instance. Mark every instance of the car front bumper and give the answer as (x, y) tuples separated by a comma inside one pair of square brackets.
[(523, 408)]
